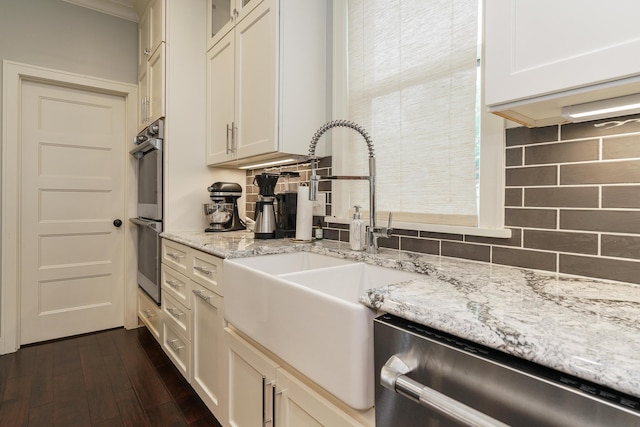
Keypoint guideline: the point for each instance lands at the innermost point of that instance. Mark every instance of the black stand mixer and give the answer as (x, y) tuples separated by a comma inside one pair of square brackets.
[(222, 212)]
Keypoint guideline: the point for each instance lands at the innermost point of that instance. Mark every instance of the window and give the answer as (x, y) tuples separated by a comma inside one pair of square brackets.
[(407, 71)]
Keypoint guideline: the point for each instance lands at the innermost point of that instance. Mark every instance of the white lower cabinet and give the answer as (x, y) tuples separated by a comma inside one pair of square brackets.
[(177, 347), (150, 314), (261, 392), (240, 383), (193, 326), (209, 362)]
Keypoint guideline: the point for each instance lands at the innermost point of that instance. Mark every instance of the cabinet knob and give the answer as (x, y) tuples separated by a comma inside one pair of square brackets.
[(117, 222), (147, 51)]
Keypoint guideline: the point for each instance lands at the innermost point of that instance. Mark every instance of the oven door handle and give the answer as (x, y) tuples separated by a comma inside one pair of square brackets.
[(141, 149), (154, 225), (393, 377)]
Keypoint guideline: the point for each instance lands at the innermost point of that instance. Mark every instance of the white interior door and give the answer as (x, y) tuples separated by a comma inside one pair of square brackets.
[(72, 178)]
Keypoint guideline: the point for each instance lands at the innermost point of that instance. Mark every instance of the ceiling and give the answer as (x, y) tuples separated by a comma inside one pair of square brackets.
[(121, 8)]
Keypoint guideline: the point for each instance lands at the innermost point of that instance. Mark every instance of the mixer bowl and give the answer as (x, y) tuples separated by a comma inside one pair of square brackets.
[(218, 214)]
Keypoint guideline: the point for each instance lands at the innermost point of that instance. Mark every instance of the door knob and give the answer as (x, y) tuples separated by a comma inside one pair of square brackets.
[(117, 222)]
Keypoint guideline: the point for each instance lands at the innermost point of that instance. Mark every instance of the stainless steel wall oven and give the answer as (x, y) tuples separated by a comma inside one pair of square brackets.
[(149, 154)]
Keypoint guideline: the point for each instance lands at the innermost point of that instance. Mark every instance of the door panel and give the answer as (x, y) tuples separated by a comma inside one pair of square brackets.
[(72, 169)]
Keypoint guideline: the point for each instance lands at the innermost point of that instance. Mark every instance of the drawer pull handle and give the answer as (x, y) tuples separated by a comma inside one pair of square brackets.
[(174, 284), (174, 347), (175, 256), (149, 314), (204, 270), (393, 377), (200, 294), (175, 312)]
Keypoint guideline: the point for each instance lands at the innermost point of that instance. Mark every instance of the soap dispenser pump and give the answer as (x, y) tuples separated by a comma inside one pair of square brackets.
[(357, 232)]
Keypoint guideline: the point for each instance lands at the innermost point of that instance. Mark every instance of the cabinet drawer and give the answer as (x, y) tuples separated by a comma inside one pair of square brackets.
[(150, 314), (176, 285), (175, 256), (207, 270), (178, 348), (177, 315)]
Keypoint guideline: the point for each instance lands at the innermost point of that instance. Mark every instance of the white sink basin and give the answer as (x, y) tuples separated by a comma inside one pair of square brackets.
[(289, 263), (308, 314)]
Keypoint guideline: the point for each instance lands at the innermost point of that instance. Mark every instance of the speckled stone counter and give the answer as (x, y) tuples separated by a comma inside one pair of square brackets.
[(584, 327)]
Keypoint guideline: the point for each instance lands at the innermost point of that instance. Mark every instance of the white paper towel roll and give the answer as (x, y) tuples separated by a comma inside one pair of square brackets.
[(304, 214)]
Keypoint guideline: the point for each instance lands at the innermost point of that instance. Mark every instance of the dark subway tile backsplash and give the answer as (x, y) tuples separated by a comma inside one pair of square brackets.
[(621, 196), (563, 152), (572, 203), (526, 136), (624, 147), (606, 172), (528, 176), (570, 197), (535, 218)]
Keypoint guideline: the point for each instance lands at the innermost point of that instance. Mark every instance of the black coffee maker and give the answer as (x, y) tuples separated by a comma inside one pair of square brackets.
[(287, 208), (265, 215)]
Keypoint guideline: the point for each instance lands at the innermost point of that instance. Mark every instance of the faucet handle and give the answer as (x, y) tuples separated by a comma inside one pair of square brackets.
[(388, 229)]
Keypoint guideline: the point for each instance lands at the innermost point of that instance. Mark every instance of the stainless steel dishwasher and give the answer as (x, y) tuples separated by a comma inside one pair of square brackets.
[(429, 378)]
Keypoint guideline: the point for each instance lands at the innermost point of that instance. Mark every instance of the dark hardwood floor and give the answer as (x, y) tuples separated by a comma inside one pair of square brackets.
[(110, 378)]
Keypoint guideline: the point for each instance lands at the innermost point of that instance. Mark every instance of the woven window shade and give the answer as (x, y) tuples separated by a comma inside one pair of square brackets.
[(412, 77)]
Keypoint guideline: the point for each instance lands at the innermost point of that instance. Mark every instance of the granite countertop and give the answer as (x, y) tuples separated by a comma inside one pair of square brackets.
[(584, 327)]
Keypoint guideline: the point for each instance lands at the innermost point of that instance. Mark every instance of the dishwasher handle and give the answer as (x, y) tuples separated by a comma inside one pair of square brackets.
[(393, 377)]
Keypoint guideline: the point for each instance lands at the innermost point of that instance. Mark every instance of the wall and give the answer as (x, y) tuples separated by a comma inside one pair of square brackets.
[(572, 201), (62, 36)]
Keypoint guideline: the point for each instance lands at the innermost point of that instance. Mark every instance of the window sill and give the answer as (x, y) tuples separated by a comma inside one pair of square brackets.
[(502, 233)]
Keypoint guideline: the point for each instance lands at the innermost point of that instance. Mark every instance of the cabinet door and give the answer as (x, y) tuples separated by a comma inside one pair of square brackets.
[(220, 101), (541, 47), (298, 405), (177, 315), (176, 256), (149, 313), (244, 7), (256, 81), (220, 20), (156, 75), (175, 284), (144, 48), (207, 271), (209, 367), (143, 98), (157, 27), (178, 348), (251, 384)]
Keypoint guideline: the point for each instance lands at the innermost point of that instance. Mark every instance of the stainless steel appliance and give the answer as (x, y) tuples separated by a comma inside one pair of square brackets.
[(149, 256), (265, 215), (427, 377), (149, 155), (148, 151), (222, 212)]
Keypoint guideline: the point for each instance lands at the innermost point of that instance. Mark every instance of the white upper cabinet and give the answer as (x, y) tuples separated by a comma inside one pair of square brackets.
[(222, 15), (541, 55), (151, 63), (267, 81)]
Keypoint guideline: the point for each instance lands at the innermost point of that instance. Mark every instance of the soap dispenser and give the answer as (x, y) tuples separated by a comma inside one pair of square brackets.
[(357, 232)]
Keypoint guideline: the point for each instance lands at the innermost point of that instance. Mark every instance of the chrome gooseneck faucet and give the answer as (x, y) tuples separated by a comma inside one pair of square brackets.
[(373, 232)]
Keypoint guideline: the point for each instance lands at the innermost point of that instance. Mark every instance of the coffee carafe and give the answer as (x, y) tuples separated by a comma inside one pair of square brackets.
[(265, 216)]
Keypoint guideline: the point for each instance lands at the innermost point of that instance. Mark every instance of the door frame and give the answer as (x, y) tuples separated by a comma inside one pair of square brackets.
[(14, 74)]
